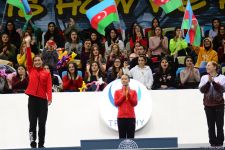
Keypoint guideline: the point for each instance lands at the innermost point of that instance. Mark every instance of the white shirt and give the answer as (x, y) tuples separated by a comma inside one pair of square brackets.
[(143, 75)]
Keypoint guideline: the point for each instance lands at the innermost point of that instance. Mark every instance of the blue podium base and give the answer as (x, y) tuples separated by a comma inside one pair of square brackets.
[(170, 142)]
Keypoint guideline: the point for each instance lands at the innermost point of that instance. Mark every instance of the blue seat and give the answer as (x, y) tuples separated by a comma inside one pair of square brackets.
[(79, 73), (179, 70)]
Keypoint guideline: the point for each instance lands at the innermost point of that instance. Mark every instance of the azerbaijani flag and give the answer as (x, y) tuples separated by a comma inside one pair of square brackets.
[(190, 23), (102, 14), (23, 5), (168, 5)]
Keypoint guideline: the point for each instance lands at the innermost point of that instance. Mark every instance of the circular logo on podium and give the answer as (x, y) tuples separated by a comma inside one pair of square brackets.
[(109, 111), (128, 144)]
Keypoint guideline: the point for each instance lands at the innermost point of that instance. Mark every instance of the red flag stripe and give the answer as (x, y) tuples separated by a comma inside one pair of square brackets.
[(98, 17), (192, 31), (160, 2)]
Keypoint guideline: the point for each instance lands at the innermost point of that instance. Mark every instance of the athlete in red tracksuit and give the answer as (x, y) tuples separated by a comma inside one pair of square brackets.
[(39, 91), (126, 99)]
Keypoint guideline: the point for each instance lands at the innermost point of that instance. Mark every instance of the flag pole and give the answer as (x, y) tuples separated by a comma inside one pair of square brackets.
[(119, 19), (3, 17)]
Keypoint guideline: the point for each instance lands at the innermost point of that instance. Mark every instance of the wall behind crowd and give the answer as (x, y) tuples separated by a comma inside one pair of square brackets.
[(141, 11)]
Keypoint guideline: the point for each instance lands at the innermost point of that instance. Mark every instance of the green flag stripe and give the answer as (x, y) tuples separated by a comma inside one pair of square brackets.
[(18, 4), (197, 40), (171, 5), (185, 24), (106, 21)]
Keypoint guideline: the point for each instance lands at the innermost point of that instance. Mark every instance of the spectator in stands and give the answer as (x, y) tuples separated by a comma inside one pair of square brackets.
[(39, 90), (111, 38), (70, 26), (138, 37), (33, 43), (14, 36), (85, 55), (217, 41), (7, 50), (54, 34), (20, 81), (56, 79), (115, 71), (158, 44), (212, 86), (73, 43), (126, 67), (71, 81), (50, 55), (114, 53), (155, 23), (221, 54), (4, 87), (140, 51), (215, 28), (94, 75), (128, 34), (205, 53), (36, 35), (134, 51), (96, 40), (142, 72), (165, 77), (190, 76), (96, 56), (21, 57), (126, 99), (178, 45)]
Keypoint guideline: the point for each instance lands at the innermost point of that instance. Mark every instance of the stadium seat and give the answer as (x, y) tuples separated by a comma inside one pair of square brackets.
[(181, 60), (179, 70), (79, 73), (223, 70)]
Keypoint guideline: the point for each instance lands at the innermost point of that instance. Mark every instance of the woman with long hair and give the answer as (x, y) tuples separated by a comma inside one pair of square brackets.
[(39, 90), (96, 56), (73, 43), (178, 45), (216, 22), (212, 86), (138, 37), (20, 81), (164, 78), (93, 73), (190, 76), (14, 36), (155, 23), (113, 38), (72, 81), (21, 57), (158, 44), (54, 34), (114, 53), (115, 71), (8, 51)]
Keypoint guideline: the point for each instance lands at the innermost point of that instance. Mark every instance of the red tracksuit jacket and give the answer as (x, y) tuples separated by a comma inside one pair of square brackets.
[(40, 82), (125, 105)]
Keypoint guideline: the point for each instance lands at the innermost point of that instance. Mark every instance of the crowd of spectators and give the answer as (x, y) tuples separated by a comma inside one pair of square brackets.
[(87, 61)]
